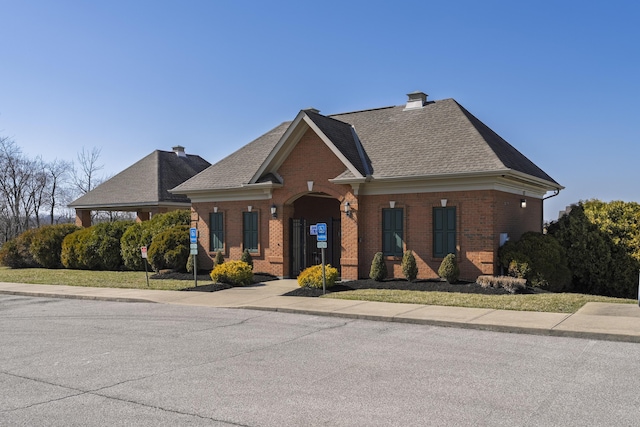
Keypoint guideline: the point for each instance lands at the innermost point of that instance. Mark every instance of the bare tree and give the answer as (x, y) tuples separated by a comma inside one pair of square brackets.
[(16, 172), (57, 173), (85, 178)]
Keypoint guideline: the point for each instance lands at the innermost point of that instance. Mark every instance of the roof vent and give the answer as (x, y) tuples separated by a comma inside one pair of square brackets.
[(179, 150), (416, 100)]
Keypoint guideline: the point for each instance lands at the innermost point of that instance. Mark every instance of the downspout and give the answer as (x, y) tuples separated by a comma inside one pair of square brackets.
[(557, 191)]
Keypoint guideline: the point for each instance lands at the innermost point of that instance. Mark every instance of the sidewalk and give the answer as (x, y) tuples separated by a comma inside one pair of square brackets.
[(603, 321)]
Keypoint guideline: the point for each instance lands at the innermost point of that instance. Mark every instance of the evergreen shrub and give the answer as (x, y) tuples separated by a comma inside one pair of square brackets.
[(170, 249), (246, 257), (219, 258), (409, 266), (47, 244), (378, 271), (449, 269)]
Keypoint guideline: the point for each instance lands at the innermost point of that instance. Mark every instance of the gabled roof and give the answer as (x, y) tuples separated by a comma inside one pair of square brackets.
[(439, 140), (145, 183)]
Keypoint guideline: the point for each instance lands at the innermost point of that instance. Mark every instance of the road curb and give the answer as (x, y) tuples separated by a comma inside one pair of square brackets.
[(74, 296)]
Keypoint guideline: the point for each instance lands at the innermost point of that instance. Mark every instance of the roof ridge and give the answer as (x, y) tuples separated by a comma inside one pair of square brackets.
[(360, 111)]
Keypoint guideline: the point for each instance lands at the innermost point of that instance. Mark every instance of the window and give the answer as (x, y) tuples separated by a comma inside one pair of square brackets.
[(444, 231), (392, 236), (216, 229), (250, 231)]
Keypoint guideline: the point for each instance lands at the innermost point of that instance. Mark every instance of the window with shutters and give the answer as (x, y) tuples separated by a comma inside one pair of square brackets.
[(392, 232), (216, 229), (444, 231), (250, 231)]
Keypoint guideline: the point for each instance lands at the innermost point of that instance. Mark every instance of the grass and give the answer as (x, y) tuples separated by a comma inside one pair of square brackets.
[(99, 279), (547, 302), (555, 303)]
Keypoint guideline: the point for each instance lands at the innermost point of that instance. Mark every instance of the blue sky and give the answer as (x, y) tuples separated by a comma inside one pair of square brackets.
[(559, 80)]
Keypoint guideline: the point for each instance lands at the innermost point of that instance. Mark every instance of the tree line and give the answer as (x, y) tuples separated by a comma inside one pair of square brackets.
[(34, 192)]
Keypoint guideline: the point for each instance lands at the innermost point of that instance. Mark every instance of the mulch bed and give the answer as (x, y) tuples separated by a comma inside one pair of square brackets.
[(394, 284), (399, 284)]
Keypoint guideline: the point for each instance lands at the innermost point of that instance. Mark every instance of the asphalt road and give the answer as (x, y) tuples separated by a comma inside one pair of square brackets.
[(77, 362)]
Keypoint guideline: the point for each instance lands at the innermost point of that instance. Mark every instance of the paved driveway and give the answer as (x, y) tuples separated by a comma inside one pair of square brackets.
[(71, 362)]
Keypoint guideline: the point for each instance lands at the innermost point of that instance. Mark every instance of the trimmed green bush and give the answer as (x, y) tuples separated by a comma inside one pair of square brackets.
[(47, 244), (170, 249), (246, 257), (235, 273), (409, 266), (449, 269), (141, 234), (16, 253), (378, 271), (219, 258), (95, 248), (545, 259), (312, 276)]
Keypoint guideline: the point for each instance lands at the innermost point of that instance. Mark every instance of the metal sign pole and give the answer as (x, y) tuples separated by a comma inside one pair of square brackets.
[(195, 270), (324, 276), (146, 271)]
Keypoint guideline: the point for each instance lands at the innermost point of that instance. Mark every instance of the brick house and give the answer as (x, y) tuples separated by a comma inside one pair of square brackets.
[(143, 187), (426, 176)]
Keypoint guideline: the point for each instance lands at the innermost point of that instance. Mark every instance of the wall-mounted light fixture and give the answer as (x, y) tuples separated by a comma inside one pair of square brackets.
[(310, 185), (215, 209), (392, 204), (523, 203), (347, 208), (249, 208), (443, 203), (274, 214)]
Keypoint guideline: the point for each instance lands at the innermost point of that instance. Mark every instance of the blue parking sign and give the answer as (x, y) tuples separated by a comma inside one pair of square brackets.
[(193, 235), (321, 228)]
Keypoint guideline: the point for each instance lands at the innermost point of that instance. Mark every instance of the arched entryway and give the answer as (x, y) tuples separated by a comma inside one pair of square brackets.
[(309, 210)]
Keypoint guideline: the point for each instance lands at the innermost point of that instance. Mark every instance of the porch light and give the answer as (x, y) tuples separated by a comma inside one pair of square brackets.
[(347, 209), (215, 209), (443, 203), (274, 214), (249, 208), (392, 204), (310, 185), (523, 203)]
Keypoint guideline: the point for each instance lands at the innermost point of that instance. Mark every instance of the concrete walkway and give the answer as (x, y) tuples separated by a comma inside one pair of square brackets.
[(616, 322)]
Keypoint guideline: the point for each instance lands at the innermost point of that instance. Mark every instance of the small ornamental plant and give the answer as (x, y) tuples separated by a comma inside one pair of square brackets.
[(246, 257), (409, 266), (378, 270), (312, 276), (219, 259), (449, 269), (234, 273)]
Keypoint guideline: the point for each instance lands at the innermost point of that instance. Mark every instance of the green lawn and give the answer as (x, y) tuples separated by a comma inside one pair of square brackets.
[(547, 302), (101, 279), (557, 303)]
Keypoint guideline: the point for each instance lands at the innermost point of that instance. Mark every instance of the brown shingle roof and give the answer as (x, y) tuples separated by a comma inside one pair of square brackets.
[(440, 139), (145, 183)]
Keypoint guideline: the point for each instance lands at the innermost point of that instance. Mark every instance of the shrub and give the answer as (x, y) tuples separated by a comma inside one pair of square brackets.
[(235, 273), (312, 276), (409, 267), (219, 259), (449, 269), (246, 257), (519, 268), (141, 234), (545, 259), (170, 249), (189, 266), (378, 270), (595, 237), (95, 248), (46, 246), (16, 253), (511, 284)]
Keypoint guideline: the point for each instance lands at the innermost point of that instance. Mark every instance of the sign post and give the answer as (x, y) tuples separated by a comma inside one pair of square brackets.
[(193, 245), (143, 253), (321, 229)]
